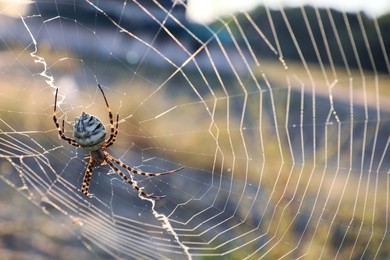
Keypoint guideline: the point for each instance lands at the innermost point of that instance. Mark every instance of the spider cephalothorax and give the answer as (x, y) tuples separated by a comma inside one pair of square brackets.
[(89, 133)]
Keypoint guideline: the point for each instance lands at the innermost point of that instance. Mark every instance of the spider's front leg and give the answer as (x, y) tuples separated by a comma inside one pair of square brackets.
[(87, 178), (134, 171), (132, 183)]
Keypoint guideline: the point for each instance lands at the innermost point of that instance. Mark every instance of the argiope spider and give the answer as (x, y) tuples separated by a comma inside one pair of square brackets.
[(89, 133)]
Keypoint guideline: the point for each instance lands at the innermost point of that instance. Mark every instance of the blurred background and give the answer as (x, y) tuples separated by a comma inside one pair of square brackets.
[(279, 112)]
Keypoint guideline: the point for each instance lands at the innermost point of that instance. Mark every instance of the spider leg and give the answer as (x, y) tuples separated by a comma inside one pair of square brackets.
[(111, 140), (70, 140), (114, 129), (134, 171), (87, 178), (132, 183), (61, 131)]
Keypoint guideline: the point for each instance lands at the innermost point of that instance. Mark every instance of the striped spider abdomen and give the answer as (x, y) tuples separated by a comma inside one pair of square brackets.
[(89, 132)]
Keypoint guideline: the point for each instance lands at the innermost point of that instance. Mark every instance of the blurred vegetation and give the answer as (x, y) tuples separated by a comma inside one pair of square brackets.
[(27, 233), (307, 24)]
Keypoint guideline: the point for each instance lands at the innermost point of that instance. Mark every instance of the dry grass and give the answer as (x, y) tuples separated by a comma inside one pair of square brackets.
[(186, 133)]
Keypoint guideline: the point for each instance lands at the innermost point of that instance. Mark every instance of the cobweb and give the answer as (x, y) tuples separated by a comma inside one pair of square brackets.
[(280, 116)]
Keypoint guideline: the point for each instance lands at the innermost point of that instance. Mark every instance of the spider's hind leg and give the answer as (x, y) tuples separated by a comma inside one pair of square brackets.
[(114, 129), (61, 131)]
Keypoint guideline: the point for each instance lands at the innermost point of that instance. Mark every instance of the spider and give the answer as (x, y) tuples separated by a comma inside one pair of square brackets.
[(89, 133)]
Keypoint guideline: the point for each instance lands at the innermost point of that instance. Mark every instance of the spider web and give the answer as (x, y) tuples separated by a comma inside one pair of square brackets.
[(280, 115)]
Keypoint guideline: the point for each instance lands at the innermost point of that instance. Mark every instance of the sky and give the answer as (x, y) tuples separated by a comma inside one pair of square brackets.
[(207, 10)]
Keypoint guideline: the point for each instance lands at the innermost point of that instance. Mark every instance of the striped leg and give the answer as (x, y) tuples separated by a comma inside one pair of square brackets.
[(61, 131), (111, 140), (132, 183), (87, 178), (114, 129), (121, 164)]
